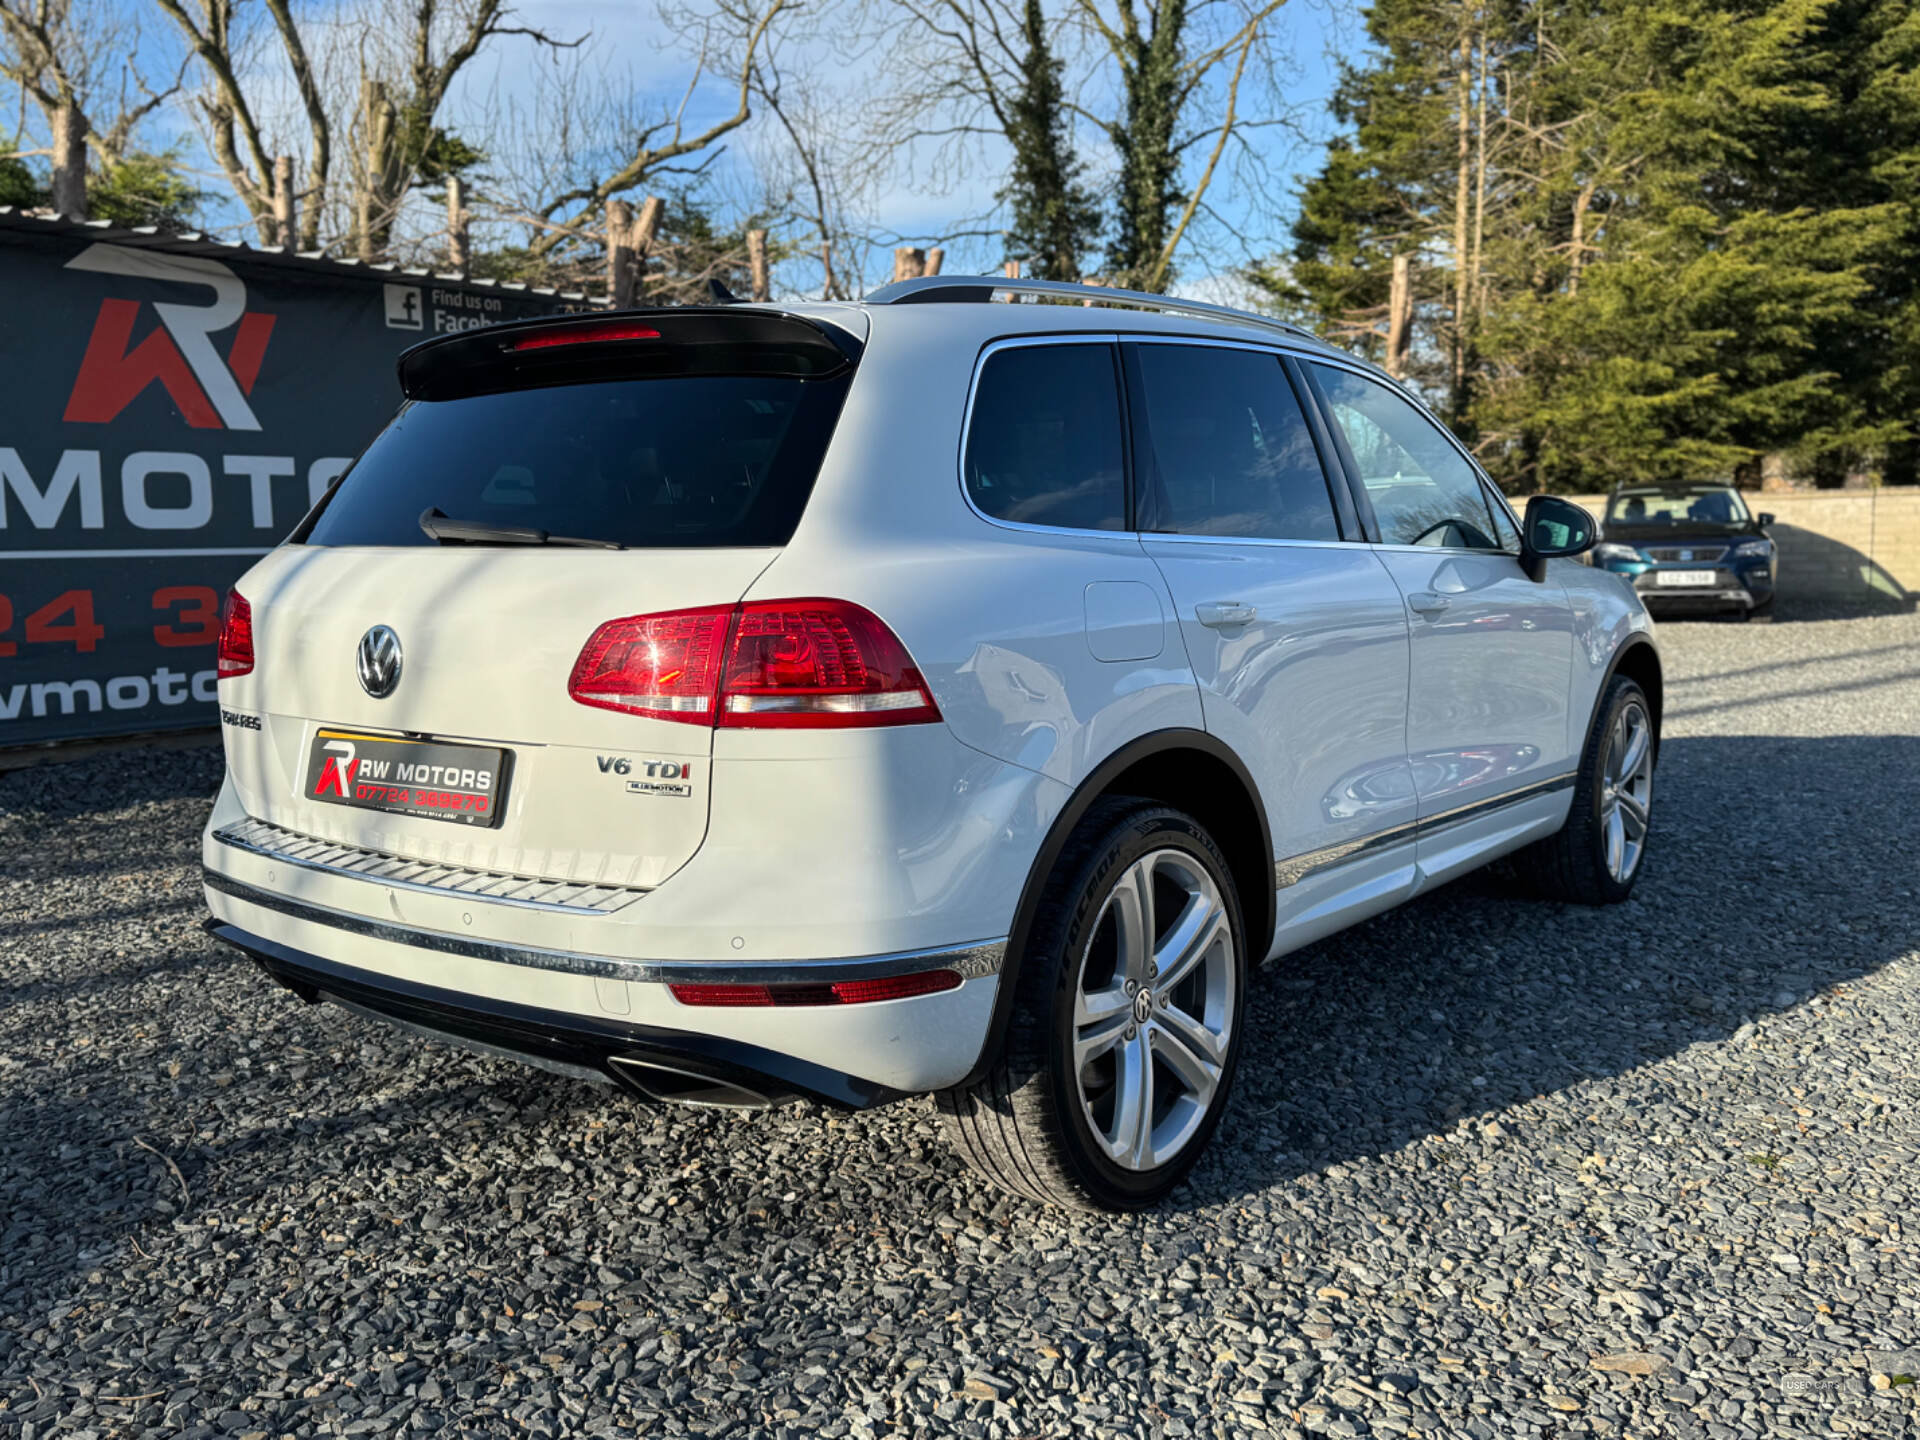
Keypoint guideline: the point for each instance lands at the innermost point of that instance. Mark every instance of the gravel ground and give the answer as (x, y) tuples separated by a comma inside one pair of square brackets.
[(1513, 1169)]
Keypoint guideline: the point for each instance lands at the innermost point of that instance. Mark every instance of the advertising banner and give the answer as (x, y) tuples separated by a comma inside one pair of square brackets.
[(167, 414)]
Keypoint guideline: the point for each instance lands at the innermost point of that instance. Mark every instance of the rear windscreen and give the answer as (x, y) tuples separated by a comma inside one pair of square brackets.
[(685, 461)]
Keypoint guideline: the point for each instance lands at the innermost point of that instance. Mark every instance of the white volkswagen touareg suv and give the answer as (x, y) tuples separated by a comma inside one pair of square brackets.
[(923, 695)]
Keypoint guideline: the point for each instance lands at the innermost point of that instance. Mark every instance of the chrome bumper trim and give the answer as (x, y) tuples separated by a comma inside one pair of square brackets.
[(1296, 868), (970, 961), (497, 887)]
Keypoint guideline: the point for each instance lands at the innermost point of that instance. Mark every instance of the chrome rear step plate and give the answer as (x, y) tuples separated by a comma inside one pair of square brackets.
[(257, 837)]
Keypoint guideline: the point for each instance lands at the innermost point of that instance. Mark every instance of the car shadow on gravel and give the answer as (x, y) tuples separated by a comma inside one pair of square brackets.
[(1779, 867)]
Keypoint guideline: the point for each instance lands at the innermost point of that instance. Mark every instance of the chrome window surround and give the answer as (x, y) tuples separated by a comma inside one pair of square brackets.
[(970, 961), (273, 842)]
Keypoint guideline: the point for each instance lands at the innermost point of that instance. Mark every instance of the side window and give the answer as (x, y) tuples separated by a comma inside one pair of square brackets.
[(1423, 492), (1044, 446), (1226, 450)]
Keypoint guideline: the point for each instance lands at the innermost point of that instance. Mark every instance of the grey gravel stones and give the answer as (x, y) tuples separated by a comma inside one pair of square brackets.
[(1495, 1167)]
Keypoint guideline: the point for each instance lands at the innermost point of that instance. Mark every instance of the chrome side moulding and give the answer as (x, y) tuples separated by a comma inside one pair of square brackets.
[(1296, 868)]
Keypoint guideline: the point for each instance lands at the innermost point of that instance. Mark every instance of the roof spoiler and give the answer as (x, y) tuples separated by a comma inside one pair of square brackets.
[(625, 344)]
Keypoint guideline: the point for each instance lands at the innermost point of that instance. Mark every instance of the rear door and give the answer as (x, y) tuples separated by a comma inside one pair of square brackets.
[(513, 506), (1492, 649), (1294, 628)]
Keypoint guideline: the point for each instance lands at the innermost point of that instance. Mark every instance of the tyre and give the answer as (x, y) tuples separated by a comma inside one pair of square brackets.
[(1121, 1048), (1598, 854)]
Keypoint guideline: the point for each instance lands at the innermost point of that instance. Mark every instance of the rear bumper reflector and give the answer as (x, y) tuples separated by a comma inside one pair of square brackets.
[(843, 992)]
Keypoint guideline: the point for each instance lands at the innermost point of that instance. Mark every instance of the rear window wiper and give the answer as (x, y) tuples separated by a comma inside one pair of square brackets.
[(439, 526)]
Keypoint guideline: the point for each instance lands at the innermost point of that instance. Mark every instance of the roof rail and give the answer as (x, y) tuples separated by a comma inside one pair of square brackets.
[(939, 289)]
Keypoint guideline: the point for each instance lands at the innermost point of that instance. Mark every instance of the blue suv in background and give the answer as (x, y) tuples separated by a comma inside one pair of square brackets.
[(1690, 549)]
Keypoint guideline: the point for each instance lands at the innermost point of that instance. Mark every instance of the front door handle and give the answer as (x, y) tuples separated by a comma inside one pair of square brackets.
[(1218, 614), (1425, 602)]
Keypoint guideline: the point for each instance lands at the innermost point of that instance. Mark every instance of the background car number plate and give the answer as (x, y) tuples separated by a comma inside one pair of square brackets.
[(1683, 577), (466, 784)]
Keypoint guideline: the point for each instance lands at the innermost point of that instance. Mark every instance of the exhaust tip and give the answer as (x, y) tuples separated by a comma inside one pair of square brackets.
[(673, 1086)]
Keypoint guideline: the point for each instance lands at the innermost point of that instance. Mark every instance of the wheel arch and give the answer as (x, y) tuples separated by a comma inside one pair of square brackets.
[(1639, 661), (1191, 771)]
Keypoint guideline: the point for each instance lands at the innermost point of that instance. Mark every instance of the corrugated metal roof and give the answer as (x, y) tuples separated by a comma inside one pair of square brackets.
[(196, 242)]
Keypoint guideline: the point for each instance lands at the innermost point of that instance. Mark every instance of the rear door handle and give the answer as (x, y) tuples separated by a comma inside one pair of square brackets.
[(1426, 602), (1220, 613)]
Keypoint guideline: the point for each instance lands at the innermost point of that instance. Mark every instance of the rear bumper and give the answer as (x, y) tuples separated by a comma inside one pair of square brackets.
[(610, 1015), (657, 1063)]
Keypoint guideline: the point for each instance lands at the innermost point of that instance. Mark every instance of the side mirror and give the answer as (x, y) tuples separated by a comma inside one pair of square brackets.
[(1765, 518), (1554, 528)]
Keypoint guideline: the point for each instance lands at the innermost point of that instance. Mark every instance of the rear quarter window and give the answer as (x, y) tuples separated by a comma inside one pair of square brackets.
[(1044, 444), (680, 461)]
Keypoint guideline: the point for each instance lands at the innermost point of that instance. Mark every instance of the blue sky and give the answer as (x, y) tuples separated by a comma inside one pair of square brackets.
[(630, 41)]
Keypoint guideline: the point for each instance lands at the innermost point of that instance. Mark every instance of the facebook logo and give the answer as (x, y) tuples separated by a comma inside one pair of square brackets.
[(404, 310)]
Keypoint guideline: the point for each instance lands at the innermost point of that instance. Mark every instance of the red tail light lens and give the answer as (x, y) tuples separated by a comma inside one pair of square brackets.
[(819, 663), (788, 664), (663, 666), (584, 335), (843, 992), (236, 637)]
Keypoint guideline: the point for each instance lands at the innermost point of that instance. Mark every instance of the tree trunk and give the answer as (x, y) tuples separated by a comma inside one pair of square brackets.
[(373, 217), (1400, 316), (621, 268), (646, 229), (1480, 169), (1577, 254), (459, 246), (1463, 179), (284, 226), (762, 284), (70, 163)]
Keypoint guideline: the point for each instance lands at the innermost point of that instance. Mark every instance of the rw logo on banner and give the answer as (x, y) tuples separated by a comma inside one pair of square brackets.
[(209, 390)]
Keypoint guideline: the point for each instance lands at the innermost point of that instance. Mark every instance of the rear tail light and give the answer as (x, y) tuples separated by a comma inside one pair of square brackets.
[(236, 637), (786, 664), (662, 666), (843, 992)]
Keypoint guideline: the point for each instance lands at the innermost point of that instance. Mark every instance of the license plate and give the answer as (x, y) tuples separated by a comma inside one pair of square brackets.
[(466, 784), (1683, 577)]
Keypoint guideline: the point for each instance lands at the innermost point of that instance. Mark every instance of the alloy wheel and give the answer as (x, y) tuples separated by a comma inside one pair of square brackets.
[(1626, 793), (1153, 1010)]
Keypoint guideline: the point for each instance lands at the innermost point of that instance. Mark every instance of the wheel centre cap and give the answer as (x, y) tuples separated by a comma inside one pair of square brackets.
[(1143, 1006)]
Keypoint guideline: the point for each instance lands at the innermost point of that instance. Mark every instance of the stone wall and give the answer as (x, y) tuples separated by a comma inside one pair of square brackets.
[(1859, 549)]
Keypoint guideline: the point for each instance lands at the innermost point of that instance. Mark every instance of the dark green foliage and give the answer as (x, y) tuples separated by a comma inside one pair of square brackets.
[(140, 188), (18, 187), (146, 188), (1153, 73), (1054, 217), (1700, 242)]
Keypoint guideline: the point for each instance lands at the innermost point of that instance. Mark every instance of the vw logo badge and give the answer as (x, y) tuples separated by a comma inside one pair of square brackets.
[(379, 661), (1686, 554)]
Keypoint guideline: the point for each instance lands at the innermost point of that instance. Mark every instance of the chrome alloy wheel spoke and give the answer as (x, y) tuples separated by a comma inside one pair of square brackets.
[(1626, 799), (1150, 1039)]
